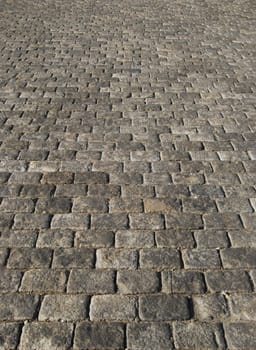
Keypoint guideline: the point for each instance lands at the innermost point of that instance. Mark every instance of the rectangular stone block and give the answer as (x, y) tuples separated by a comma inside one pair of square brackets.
[(89, 205), (32, 221), (150, 336), (57, 178), (53, 205), (99, 336), (163, 308), (162, 205), (104, 191), (64, 308), (146, 221), (91, 281), (136, 282), (94, 238), (6, 220), (29, 258), (71, 221), (57, 238), (125, 205), (17, 307), (46, 335), (183, 221), (17, 205), (109, 221), (10, 335), (210, 307), (228, 281), (160, 258), (183, 282), (44, 281), (243, 307), (174, 239), (198, 336), (201, 259), (113, 308), (73, 257), (241, 335), (134, 239), (9, 280), (222, 221), (91, 177), (239, 257), (112, 258)]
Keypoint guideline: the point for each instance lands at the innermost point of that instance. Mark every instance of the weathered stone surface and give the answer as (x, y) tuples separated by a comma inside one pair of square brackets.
[(32, 221), (243, 307), (99, 336), (183, 282), (9, 280), (9, 335), (94, 238), (109, 221), (71, 257), (71, 221), (239, 257), (137, 282), (43, 281), (160, 258), (127, 174), (16, 307), (199, 258), (228, 281), (55, 238), (240, 335), (175, 239), (149, 336), (112, 258), (198, 336), (134, 239), (26, 258), (53, 205), (91, 281), (211, 239), (210, 307), (46, 335), (63, 308), (113, 307), (146, 221), (163, 308), (184, 221)]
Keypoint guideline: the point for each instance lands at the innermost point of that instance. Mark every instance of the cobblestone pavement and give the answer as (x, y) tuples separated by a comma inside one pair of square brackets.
[(127, 174)]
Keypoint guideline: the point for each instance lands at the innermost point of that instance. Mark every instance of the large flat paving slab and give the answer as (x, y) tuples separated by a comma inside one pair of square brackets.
[(127, 175)]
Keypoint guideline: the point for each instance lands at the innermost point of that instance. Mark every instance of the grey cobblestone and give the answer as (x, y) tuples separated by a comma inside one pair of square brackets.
[(127, 175)]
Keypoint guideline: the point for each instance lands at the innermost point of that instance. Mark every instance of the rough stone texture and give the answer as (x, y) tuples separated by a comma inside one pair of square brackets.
[(9, 335), (134, 282), (127, 174), (152, 336), (16, 307), (46, 335), (113, 307), (63, 308), (163, 307), (91, 281), (198, 336), (99, 336), (240, 335)]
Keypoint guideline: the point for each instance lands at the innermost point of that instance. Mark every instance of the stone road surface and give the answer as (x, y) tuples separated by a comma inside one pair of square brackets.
[(127, 171)]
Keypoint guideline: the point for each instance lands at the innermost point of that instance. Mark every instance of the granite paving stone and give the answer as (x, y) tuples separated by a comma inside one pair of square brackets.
[(127, 175)]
